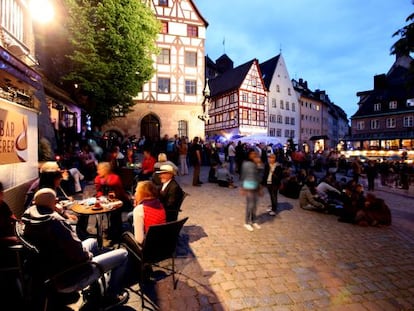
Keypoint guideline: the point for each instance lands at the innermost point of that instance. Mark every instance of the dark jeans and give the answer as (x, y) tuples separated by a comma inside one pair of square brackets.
[(273, 189), (196, 174)]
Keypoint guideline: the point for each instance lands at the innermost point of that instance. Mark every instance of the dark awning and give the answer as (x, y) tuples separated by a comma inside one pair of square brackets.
[(324, 137)]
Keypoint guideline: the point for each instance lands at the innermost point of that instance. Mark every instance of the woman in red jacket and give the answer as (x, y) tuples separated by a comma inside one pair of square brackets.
[(148, 210), (105, 182)]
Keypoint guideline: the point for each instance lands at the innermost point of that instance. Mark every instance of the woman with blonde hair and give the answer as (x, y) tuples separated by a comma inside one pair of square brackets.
[(148, 210)]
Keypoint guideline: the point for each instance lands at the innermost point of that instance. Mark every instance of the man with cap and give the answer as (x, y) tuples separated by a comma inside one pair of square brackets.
[(61, 248), (171, 195)]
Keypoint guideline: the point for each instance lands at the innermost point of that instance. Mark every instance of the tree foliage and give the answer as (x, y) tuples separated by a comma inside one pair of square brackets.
[(405, 44), (112, 43)]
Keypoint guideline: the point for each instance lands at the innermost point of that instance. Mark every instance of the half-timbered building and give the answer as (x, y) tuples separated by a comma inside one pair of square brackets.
[(171, 101), (238, 102)]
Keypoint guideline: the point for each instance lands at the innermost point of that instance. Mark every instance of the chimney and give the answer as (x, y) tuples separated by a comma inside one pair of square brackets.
[(380, 81)]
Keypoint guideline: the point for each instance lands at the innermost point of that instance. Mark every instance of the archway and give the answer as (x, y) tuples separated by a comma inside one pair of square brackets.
[(150, 127)]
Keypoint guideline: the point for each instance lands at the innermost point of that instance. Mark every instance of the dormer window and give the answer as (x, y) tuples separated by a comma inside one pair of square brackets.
[(377, 107), (410, 102), (393, 104)]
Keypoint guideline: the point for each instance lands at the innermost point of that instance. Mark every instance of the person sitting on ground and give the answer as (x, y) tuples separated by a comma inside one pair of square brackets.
[(61, 248), (171, 195), (7, 221), (148, 210), (327, 192), (223, 176), (307, 198), (374, 213)]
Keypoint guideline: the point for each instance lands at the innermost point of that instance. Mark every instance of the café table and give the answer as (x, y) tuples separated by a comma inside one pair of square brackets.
[(89, 207)]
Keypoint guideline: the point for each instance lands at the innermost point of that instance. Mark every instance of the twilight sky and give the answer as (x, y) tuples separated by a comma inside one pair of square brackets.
[(337, 46)]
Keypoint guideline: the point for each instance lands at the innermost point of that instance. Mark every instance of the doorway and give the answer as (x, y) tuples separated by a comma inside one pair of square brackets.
[(150, 127)]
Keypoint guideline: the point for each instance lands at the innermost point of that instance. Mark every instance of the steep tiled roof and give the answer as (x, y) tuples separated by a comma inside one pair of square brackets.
[(229, 80), (394, 88), (268, 69)]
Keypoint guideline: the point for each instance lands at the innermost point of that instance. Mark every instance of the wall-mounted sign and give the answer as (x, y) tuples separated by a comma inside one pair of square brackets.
[(13, 137)]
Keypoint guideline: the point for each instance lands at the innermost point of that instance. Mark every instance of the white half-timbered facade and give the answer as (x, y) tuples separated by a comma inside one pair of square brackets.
[(170, 103), (284, 111), (238, 102)]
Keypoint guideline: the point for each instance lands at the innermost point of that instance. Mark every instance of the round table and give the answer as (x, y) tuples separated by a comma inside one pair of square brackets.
[(86, 208)]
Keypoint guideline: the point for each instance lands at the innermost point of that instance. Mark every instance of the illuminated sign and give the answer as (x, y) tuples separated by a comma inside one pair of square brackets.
[(13, 137)]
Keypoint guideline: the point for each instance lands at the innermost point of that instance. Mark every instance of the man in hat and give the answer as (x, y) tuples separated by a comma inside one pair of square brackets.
[(61, 248), (171, 194)]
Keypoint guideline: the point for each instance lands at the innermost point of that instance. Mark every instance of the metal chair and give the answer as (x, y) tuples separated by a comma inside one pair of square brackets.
[(71, 280), (160, 244)]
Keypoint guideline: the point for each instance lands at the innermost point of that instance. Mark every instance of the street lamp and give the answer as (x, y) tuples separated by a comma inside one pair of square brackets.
[(42, 10), (206, 94)]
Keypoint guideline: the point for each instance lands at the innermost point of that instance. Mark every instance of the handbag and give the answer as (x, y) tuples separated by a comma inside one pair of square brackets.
[(250, 184)]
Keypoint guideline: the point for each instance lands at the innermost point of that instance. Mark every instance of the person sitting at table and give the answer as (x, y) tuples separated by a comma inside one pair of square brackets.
[(61, 248), (7, 221), (106, 181), (162, 160), (147, 166), (51, 176), (148, 210), (171, 195)]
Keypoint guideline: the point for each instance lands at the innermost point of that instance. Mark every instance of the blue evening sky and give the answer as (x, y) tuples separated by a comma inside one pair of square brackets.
[(337, 46)]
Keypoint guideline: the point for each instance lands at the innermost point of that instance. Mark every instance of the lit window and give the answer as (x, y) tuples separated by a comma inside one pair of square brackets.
[(393, 104), (190, 87), (374, 124), (182, 128), (377, 107), (192, 31), (408, 121), (164, 85), (164, 57), (391, 123), (191, 59)]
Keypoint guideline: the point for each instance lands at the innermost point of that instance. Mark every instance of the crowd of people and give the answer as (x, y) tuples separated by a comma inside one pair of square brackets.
[(157, 196)]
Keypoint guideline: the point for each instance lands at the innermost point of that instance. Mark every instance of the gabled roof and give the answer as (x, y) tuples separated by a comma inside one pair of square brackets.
[(199, 14), (395, 88), (230, 80), (268, 69)]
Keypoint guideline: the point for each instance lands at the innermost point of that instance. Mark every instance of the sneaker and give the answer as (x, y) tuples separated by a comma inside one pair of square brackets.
[(111, 302), (272, 213), (248, 227), (256, 225)]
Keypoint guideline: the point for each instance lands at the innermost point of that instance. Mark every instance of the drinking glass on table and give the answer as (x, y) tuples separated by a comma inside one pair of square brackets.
[(111, 195)]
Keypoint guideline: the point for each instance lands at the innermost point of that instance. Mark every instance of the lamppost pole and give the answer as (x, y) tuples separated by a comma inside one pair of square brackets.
[(206, 94)]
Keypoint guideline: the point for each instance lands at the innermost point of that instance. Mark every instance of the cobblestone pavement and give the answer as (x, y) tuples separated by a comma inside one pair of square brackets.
[(298, 260)]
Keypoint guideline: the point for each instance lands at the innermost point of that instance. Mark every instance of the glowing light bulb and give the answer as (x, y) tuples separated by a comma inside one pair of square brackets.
[(42, 10)]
